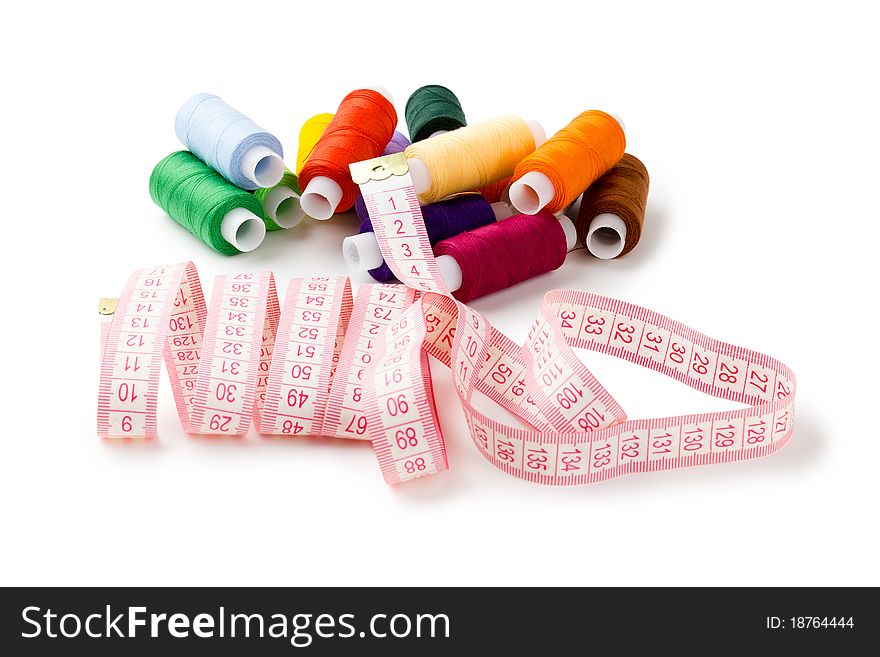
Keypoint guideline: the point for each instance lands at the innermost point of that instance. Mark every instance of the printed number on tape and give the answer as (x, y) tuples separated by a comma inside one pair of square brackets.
[(331, 364)]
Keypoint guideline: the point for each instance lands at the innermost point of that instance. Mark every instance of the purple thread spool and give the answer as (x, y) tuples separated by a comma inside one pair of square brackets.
[(443, 220), (398, 144)]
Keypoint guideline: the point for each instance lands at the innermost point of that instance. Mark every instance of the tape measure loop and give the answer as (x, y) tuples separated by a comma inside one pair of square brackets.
[(331, 364)]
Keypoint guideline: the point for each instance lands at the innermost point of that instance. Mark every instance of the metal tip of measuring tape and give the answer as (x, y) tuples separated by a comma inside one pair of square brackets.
[(107, 306), (379, 168)]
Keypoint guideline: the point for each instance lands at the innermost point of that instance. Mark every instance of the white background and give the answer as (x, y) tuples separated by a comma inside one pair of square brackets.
[(758, 124)]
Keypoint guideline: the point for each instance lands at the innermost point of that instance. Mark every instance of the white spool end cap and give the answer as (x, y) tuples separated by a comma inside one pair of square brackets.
[(502, 210), (361, 252), (538, 133), (243, 229), (418, 172), (619, 120), (437, 133), (262, 166), (384, 92), (321, 198), (450, 271), (606, 236), (282, 206), (571, 233), (531, 192)]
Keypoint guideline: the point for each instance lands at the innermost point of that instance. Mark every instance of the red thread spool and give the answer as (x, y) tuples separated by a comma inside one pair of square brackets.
[(497, 191), (360, 130), (499, 255)]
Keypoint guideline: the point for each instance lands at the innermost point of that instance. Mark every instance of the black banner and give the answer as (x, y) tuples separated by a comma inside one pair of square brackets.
[(395, 621)]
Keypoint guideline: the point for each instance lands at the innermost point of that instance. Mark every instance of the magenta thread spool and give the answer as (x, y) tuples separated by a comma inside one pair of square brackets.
[(500, 255)]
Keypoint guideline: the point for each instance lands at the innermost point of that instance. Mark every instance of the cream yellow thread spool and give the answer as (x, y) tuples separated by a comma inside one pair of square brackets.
[(471, 157)]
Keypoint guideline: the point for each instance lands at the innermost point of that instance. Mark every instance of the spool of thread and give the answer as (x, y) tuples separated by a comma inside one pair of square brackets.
[(443, 220), (612, 210), (360, 130), (471, 157), (223, 216), (309, 134), (398, 144), (432, 109), (499, 255), (497, 191), (567, 163), (227, 140), (281, 206)]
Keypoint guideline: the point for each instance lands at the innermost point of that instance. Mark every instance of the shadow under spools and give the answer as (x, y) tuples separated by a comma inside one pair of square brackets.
[(223, 216), (612, 211), (443, 220)]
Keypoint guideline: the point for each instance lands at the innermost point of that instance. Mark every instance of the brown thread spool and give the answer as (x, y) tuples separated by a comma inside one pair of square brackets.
[(612, 210)]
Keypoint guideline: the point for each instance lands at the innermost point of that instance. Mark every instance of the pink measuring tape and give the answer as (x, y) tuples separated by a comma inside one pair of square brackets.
[(333, 365)]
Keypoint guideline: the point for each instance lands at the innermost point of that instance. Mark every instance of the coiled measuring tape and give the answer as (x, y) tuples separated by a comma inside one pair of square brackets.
[(333, 364)]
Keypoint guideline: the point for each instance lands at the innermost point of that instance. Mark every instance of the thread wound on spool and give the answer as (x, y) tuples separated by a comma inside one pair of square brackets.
[(500, 255), (472, 157), (360, 130), (398, 144), (576, 156), (221, 136), (198, 198), (443, 220), (309, 135), (622, 191), (432, 108), (496, 191), (288, 181)]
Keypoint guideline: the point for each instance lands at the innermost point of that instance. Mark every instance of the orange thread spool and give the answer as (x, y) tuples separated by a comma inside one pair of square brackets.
[(572, 160), (361, 128)]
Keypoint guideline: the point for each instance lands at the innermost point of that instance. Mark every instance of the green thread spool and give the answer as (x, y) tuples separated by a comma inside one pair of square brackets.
[(281, 207), (226, 218), (432, 109)]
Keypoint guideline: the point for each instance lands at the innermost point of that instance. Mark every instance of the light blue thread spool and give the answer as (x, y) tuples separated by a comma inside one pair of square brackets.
[(229, 142)]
